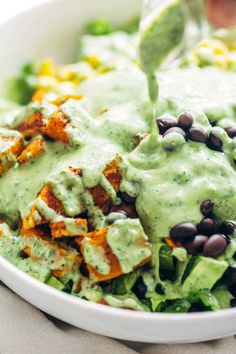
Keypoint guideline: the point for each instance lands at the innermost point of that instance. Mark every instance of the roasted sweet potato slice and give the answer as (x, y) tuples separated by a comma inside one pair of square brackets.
[(66, 227), (27, 251), (50, 199), (113, 174), (33, 232), (97, 239), (34, 217), (32, 125), (56, 127), (11, 147), (106, 254), (114, 177), (172, 244), (32, 150), (30, 221), (100, 195), (61, 259), (73, 261), (78, 227)]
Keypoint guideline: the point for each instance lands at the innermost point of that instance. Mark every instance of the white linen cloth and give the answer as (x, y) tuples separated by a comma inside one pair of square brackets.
[(26, 330)]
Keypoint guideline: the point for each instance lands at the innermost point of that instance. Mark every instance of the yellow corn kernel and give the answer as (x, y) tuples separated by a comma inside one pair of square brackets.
[(76, 82), (93, 61), (104, 70), (47, 68), (220, 61), (65, 73), (219, 51), (137, 63)]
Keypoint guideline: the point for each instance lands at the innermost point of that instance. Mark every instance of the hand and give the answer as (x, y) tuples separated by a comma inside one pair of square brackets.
[(221, 13)]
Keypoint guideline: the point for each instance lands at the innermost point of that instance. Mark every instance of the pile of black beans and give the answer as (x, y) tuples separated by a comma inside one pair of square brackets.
[(184, 126), (231, 131), (206, 237)]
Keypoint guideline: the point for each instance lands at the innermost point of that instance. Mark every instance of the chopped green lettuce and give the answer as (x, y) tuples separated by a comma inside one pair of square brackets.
[(223, 296), (55, 283), (180, 305), (204, 275), (123, 284)]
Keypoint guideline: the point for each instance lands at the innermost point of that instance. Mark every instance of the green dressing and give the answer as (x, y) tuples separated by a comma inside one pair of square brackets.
[(127, 241)]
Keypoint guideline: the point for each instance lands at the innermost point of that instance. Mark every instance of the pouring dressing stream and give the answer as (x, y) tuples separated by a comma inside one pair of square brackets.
[(161, 31)]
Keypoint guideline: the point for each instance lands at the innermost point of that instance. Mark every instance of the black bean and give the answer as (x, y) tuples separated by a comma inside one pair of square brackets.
[(140, 288), (196, 244), (185, 121), (197, 134), (119, 214), (175, 130), (138, 138), (159, 289), (229, 278), (207, 227), (122, 211), (207, 207), (215, 246), (233, 302), (182, 232), (227, 228), (106, 208), (197, 307), (45, 228), (83, 269), (127, 198), (23, 254), (166, 123), (231, 131), (232, 289), (214, 143)]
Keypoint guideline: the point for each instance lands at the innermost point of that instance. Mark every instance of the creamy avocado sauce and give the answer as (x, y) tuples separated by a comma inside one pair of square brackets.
[(127, 301), (102, 138), (125, 238), (49, 214), (47, 256), (69, 189), (112, 132), (168, 178), (96, 257)]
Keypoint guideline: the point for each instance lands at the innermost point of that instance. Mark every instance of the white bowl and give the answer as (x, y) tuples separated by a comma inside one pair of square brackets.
[(52, 29)]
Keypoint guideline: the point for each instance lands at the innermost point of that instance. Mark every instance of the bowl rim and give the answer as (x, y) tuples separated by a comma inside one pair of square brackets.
[(100, 309), (109, 310), (26, 11)]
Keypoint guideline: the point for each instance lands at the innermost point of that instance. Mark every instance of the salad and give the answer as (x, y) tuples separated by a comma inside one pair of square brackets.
[(99, 202)]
